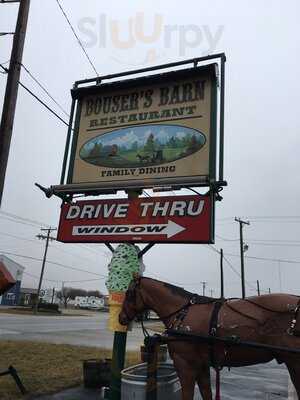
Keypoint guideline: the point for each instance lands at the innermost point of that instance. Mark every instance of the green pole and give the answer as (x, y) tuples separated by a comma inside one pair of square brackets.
[(119, 347), (118, 360)]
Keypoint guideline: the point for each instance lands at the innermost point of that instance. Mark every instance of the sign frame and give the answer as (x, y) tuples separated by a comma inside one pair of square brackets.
[(216, 135)]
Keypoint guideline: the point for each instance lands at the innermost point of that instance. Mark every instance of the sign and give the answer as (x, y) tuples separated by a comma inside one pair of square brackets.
[(176, 219), (156, 130)]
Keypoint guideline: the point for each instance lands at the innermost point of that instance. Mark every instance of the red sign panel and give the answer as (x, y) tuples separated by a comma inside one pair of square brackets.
[(176, 219)]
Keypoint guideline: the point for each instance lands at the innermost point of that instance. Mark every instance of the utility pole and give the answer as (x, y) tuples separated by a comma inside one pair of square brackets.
[(11, 92), (222, 274), (53, 294), (203, 288), (258, 288), (242, 250), (211, 292), (279, 275), (63, 293), (47, 238)]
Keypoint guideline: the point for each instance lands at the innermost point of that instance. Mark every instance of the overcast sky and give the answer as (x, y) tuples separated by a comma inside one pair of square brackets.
[(261, 41)]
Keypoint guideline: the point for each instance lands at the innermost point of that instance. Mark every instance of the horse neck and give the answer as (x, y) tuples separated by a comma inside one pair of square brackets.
[(160, 299)]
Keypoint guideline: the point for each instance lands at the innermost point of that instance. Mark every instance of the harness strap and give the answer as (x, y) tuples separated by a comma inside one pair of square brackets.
[(213, 329), (292, 330), (184, 307)]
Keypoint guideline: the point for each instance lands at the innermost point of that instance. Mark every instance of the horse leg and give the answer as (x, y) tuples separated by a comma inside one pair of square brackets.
[(204, 383), (187, 377), (294, 371)]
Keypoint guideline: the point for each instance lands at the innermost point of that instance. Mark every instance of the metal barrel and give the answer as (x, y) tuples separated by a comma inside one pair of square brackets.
[(134, 380)]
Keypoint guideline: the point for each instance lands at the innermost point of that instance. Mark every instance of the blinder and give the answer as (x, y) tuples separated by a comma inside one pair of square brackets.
[(131, 297)]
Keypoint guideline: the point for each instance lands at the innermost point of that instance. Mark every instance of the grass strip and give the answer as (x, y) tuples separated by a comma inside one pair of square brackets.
[(46, 368)]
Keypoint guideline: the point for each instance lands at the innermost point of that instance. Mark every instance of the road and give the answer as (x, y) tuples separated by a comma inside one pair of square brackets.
[(80, 330), (261, 382)]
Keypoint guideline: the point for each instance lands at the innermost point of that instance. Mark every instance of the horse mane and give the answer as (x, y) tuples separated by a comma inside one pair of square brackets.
[(177, 290)]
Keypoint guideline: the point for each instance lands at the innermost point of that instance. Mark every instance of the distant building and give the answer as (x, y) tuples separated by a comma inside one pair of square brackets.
[(28, 296), (49, 295), (90, 302), (11, 274)]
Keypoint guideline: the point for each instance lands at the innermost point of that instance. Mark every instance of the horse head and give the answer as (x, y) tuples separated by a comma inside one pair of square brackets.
[(133, 303)]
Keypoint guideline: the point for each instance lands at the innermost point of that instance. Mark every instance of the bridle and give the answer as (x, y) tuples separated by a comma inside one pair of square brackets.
[(131, 295)]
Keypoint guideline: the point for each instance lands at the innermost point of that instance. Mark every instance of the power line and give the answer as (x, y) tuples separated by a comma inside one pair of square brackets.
[(33, 223), (5, 70), (77, 38), (53, 263), (270, 241), (43, 103), (27, 220), (53, 247), (267, 259), (229, 264), (36, 277), (263, 217), (44, 89), (38, 99), (18, 237), (85, 280), (227, 240), (274, 244), (17, 221)]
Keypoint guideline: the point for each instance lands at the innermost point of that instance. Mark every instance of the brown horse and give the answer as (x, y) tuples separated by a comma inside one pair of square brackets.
[(263, 319)]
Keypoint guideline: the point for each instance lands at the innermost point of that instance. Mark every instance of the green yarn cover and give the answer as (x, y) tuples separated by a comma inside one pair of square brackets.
[(123, 264)]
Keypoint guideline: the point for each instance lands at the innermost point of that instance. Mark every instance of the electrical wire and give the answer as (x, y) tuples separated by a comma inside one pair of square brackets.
[(266, 259), (53, 263), (43, 103), (77, 38), (17, 221), (36, 277), (4, 69), (230, 265), (19, 237), (38, 99), (226, 239), (32, 223), (27, 220), (44, 89)]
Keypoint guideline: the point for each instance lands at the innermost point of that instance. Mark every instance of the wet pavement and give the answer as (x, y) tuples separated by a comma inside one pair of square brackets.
[(259, 382)]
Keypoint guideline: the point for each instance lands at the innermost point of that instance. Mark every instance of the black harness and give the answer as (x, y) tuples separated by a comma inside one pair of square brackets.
[(180, 314), (294, 329)]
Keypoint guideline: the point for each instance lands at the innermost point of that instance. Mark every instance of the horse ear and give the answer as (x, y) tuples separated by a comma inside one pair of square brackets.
[(136, 276)]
